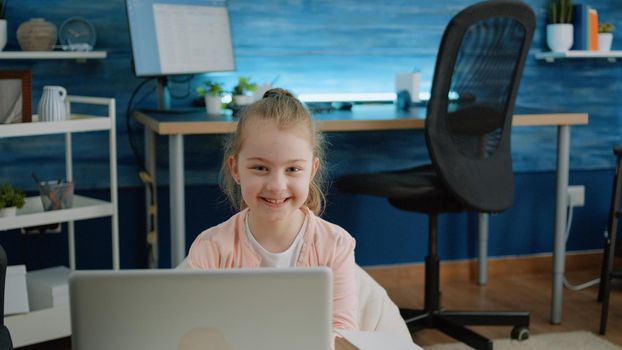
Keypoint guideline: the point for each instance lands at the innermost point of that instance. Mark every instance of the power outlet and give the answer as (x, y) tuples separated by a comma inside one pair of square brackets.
[(576, 196)]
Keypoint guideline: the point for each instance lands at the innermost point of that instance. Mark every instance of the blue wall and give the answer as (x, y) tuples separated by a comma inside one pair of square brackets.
[(322, 47)]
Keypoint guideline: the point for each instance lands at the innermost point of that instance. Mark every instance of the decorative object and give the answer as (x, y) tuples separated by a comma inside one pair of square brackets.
[(605, 36), (56, 195), (15, 96), (242, 92), (52, 104), (11, 199), (212, 94), (559, 31), (36, 34), (2, 24), (77, 34)]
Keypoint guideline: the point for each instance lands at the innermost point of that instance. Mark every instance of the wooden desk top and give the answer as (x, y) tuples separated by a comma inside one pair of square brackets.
[(360, 118)]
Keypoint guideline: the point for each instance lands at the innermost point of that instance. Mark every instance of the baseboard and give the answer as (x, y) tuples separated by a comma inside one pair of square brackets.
[(467, 270)]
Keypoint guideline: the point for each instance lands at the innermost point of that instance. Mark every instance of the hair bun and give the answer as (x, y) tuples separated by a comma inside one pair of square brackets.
[(277, 92)]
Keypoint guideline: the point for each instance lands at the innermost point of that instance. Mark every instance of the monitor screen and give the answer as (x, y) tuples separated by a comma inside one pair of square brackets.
[(180, 37)]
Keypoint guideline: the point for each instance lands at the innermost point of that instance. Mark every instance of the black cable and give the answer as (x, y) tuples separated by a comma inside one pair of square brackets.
[(138, 158)]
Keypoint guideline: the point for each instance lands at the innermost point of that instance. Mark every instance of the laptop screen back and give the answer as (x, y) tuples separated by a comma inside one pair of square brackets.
[(219, 309)]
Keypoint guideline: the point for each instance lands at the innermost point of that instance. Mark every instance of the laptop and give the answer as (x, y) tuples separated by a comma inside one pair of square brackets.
[(233, 309)]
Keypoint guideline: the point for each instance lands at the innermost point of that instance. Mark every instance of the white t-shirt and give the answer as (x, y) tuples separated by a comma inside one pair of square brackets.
[(286, 258)]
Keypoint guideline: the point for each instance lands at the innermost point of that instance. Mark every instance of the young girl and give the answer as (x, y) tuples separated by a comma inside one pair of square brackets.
[(272, 172)]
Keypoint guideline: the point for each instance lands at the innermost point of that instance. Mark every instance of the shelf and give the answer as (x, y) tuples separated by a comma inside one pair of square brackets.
[(52, 55), (610, 56), (76, 123), (38, 326), (32, 213)]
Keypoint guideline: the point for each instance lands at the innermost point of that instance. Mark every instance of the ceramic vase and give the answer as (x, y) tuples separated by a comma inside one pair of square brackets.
[(604, 41), (52, 104), (213, 104), (2, 34), (36, 34), (559, 37)]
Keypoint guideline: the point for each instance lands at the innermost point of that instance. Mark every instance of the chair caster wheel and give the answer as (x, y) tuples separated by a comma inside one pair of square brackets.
[(520, 333)]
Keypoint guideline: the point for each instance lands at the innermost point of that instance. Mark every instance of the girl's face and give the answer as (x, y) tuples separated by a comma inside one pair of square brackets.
[(274, 169)]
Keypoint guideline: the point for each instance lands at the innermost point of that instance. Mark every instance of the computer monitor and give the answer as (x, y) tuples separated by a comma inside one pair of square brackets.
[(172, 37)]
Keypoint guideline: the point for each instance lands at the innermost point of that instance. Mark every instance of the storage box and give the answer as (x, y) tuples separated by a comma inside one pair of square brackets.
[(408, 82), (15, 294), (48, 287)]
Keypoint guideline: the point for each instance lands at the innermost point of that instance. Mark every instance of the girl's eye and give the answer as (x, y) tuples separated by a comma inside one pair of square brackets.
[(259, 168), (294, 169)]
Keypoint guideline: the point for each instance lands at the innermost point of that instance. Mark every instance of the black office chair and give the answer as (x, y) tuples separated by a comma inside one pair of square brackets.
[(481, 58), (612, 249), (5, 337)]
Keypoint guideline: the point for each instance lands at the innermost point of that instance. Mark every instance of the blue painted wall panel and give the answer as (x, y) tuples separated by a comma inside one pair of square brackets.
[(334, 46)]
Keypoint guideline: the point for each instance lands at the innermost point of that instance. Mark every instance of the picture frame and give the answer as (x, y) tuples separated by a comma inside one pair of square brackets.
[(15, 96)]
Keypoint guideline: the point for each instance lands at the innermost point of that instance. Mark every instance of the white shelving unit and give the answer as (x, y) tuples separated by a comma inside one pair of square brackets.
[(42, 325), (52, 55), (610, 56)]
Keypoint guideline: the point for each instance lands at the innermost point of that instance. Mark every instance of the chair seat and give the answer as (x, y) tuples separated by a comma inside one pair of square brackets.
[(416, 189)]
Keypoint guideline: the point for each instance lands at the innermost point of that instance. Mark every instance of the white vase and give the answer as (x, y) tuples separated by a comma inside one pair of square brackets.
[(604, 41), (213, 104), (2, 34), (559, 37), (8, 212), (243, 100), (52, 104)]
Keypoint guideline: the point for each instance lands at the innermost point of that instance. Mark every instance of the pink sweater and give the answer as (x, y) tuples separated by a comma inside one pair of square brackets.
[(325, 244)]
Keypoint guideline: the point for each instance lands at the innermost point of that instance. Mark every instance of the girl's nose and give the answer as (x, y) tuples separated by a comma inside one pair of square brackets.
[(276, 182)]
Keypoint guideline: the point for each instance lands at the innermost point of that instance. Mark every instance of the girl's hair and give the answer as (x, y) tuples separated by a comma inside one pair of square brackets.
[(286, 111)]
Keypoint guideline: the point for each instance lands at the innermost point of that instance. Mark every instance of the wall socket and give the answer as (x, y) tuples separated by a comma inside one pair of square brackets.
[(576, 196)]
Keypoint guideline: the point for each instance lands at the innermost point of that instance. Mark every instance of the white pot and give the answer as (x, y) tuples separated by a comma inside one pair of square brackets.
[(243, 100), (2, 34), (559, 37), (604, 41), (213, 104), (8, 212)]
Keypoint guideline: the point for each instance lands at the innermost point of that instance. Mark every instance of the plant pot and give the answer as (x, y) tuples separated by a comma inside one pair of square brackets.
[(213, 104), (559, 37), (604, 41), (2, 34), (243, 100), (8, 212)]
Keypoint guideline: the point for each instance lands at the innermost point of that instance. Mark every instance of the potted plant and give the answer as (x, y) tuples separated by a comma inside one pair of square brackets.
[(605, 36), (559, 31), (11, 198), (212, 93), (242, 92), (3, 24)]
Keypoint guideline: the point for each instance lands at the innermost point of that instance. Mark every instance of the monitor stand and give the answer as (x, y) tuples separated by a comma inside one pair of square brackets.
[(164, 94)]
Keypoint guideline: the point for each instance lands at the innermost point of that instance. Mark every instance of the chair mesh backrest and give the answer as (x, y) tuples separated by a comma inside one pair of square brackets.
[(478, 70)]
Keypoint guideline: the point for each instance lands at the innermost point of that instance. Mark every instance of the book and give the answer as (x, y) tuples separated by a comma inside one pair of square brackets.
[(593, 29), (359, 340), (580, 27)]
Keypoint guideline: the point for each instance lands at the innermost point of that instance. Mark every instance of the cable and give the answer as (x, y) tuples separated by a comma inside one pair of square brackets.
[(567, 284)]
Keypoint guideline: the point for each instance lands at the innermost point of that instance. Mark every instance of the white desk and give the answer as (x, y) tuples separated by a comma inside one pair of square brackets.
[(361, 118)]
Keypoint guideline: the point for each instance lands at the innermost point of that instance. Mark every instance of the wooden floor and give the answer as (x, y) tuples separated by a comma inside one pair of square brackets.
[(529, 292)]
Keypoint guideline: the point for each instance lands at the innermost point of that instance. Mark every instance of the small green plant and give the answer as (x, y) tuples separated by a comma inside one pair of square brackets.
[(11, 196), (211, 89), (606, 27), (560, 11), (244, 86), (3, 8)]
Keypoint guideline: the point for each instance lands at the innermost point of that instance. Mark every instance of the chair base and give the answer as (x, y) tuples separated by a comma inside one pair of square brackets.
[(453, 324)]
